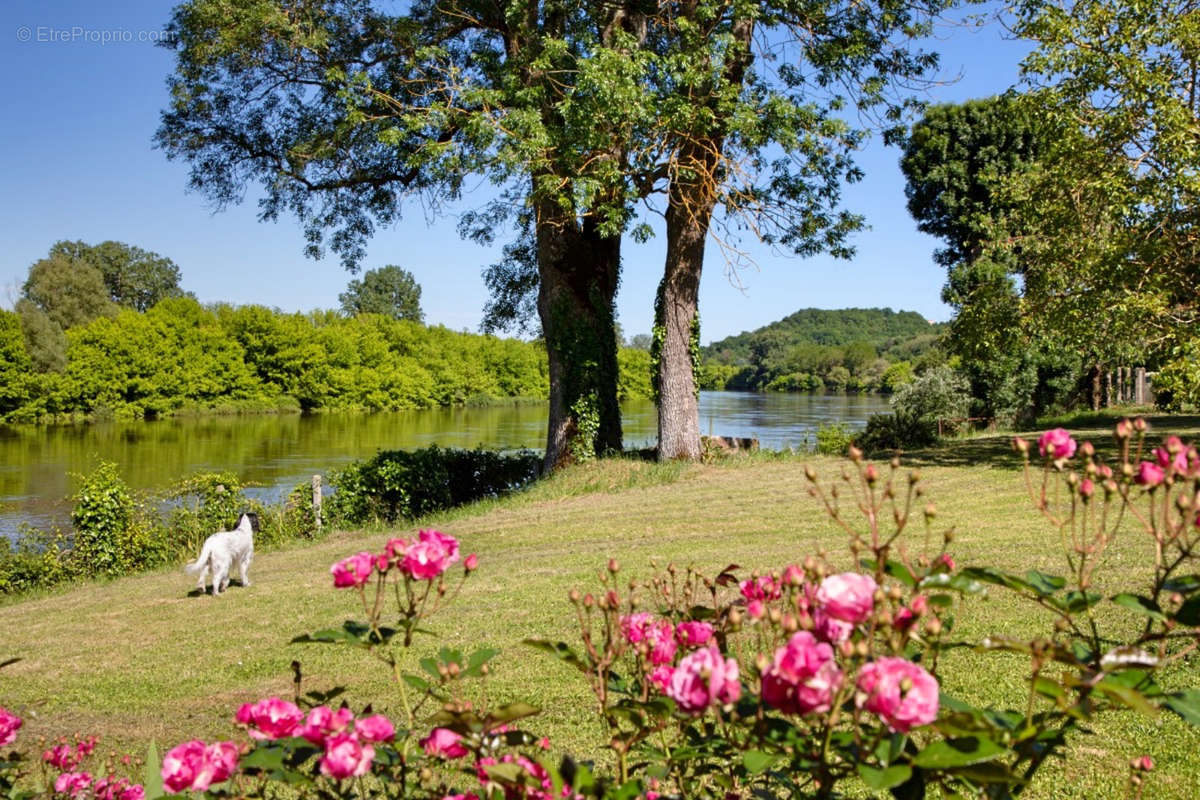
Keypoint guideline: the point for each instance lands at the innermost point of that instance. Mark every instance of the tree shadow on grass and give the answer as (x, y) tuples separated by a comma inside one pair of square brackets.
[(996, 451)]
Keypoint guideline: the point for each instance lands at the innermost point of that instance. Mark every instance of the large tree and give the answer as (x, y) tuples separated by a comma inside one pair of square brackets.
[(960, 163), (340, 111), (135, 278), (390, 291), (1113, 215), (69, 292), (751, 132)]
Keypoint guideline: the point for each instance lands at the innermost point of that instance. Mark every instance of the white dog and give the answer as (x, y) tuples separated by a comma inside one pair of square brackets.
[(222, 549)]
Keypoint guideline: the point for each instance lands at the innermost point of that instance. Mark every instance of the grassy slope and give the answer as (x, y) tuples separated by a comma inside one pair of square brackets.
[(139, 659)]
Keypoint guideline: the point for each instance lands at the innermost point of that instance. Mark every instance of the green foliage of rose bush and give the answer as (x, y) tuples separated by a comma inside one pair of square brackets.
[(800, 680)]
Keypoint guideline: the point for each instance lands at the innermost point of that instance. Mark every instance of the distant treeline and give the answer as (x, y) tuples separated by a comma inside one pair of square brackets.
[(182, 357), (852, 349)]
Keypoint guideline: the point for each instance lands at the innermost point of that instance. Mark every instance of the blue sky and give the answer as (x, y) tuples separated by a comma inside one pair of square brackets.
[(83, 86)]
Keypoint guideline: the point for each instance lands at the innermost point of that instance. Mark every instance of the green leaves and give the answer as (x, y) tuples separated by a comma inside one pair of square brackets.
[(1142, 605), (352, 633), (950, 753), (152, 781), (1186, 704), (886, 778), (467, 721), (560, 650)]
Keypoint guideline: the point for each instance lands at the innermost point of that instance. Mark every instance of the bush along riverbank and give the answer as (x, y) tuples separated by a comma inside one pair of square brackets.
[(799, 679), (180, 357), (116, 532)]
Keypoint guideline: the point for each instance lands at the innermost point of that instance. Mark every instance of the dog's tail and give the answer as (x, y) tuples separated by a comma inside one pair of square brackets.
[(201, 562)]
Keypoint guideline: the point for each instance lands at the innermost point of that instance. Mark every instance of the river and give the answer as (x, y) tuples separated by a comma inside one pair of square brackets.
[(39, 465)]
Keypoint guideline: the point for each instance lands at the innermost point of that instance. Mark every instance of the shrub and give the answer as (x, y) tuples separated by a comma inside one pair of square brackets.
[(834, 439), (35, 560), (938, 393), (105, 542), (896, 431), (204, 503), (397, 484)]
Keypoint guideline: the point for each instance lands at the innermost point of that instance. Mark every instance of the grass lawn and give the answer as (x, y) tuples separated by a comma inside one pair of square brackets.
[(139, 659)]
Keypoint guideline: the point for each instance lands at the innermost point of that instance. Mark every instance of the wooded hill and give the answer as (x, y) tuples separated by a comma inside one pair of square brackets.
[(849, 349), (880, 327)]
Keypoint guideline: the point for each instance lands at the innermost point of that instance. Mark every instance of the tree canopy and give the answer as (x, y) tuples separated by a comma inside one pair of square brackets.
[(1111, 216), (135, 278), (69, 292), (390, 291)]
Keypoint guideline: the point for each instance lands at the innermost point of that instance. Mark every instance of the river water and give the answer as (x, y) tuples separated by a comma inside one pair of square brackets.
[(39, 465)]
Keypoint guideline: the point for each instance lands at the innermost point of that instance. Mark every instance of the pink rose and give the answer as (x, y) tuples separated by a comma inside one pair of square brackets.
[(73, 783), (117, 789), (377, 728), (461, 797), (395, 549), (1056, 444), (222, 758), (1149, 474), (902, 693), (1087, 488), (704, 678), (656, 635), (346, 757), (848, 596), (353, 571), (445, 541), (693, 634), (271, 718), (533, 770), (60, 756), (756, 609), (829, 629), (186, 766), (803, 676), (323, 721), (471, 563), (633, 626), (10, 723), (793, 575), (444, 743), (762, 588), (661, 677), (430, 556), (660, 638), (1168, 459), (906, 616)]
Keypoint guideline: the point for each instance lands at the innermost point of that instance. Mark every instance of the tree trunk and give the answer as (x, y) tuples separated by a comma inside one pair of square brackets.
[(695, 177), (1095, 381), (678, 401), (578, 270)]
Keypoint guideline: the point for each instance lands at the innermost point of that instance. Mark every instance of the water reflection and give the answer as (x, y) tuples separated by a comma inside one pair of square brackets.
[(38, 465)]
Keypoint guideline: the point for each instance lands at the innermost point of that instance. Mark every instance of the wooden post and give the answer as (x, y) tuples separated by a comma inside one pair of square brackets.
[(1121, 398), (316, 499), (1140, 395), (1108, 389)]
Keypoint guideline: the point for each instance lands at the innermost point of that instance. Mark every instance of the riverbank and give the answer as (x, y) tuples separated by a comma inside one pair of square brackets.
[(138, 659)]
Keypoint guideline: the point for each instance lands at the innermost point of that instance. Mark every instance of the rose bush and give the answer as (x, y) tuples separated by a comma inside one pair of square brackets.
[(788, 682)]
